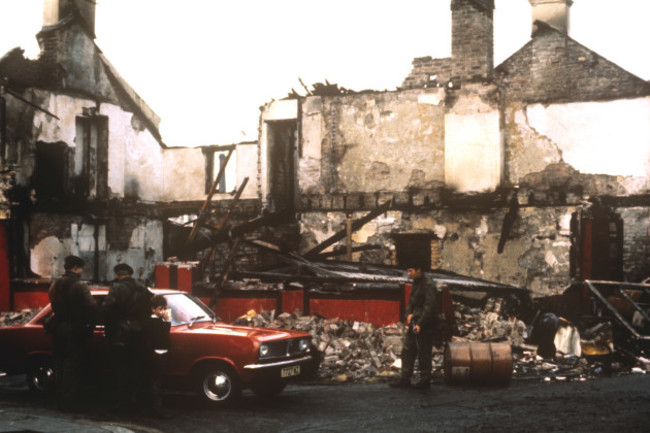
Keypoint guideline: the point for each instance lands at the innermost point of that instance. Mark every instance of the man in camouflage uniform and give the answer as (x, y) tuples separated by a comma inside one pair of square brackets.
[(126, 308), (75, 315), (420, 323)]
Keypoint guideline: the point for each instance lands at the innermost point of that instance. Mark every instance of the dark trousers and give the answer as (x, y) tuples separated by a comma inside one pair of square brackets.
[(157, 382), (71, 364), (418, 346), (126, 372)]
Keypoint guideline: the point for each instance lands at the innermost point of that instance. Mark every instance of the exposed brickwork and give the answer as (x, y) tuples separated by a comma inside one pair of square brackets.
[(552, 67), (472, 39), (428, 72), (472, 48)]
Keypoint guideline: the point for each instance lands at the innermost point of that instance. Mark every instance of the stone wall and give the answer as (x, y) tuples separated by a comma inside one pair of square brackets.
[(370, 142), (535, 254)]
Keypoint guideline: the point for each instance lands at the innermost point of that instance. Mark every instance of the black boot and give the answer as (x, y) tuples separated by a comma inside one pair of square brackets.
[(423, 384)]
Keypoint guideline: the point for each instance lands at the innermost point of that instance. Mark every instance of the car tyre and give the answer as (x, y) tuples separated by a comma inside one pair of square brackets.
[(40, 375), (217, 385), (269, 389)]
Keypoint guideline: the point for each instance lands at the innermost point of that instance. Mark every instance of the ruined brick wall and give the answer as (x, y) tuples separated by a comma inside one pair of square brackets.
[(604, 152), (428, 72), (535, 255), (370, 142), (136, 240), (557, 125), (75, 62), (552, 67)]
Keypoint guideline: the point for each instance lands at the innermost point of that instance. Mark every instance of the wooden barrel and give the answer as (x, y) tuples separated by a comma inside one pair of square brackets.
[(478, 363)]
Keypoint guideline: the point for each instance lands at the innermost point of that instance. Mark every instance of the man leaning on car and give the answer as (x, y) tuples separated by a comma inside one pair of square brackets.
[(126, 308), (75, 315)]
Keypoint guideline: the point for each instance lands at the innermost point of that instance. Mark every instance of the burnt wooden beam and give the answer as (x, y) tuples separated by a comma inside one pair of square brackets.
[(208, 199), (224, 274), (205, 239), (234, 201), (340, 251), (356, 225), (278, 277), (508, 221)]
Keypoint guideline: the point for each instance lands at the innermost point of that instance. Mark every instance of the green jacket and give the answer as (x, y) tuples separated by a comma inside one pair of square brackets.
[(422, 303), (126, 308), (75, 310)]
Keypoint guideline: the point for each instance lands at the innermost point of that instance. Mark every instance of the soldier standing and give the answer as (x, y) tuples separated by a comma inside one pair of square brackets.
[(75, 315), (126, 308), (420, 323)]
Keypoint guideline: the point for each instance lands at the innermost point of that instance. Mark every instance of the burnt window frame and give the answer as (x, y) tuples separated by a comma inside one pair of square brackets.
[(92, 181), (407, 242)]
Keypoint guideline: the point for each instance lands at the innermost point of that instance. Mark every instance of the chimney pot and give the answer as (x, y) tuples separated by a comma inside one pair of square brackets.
[(555, 13), (54, 11)]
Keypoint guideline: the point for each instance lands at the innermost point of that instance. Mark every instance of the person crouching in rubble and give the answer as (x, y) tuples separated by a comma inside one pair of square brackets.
[(420, 322)]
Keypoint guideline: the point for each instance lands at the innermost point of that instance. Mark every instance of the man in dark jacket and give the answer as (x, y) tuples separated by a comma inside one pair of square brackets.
[(420, 323), (126, 308), (75, 315), (158, 327)]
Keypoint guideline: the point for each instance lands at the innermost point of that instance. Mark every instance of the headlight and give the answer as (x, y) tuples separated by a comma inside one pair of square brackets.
[(303, 345), (264, 350)]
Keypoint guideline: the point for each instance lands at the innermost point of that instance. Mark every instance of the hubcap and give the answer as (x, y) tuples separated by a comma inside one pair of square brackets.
[(43, 378), (217, 385)]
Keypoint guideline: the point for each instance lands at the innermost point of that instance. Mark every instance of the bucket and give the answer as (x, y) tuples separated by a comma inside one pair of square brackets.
[(478, 363)]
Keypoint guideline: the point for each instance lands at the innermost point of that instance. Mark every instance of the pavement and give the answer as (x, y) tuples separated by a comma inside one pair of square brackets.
[(20, 416), (22, 421)]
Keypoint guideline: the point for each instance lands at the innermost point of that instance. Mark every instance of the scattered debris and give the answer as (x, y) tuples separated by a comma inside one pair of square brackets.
[(360, 352), (550, 348), (17, 317)]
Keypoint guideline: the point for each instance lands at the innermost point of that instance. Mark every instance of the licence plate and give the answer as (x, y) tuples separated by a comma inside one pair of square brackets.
[(290, 371)]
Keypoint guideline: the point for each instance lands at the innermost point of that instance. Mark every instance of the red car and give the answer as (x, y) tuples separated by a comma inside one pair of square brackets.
[(214, 359)]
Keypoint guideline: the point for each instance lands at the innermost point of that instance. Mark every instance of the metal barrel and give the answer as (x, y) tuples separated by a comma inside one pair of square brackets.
[(478, 363)]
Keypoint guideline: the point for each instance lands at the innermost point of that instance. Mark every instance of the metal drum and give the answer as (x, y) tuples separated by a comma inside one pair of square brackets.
[(478, 363)]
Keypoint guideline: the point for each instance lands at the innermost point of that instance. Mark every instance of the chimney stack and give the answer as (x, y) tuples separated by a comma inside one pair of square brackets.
[(472, 39), (55, 11), (555, 13)]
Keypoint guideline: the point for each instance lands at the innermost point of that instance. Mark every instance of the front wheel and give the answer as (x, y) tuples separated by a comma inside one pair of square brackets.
[(40, 375), (218, 385)]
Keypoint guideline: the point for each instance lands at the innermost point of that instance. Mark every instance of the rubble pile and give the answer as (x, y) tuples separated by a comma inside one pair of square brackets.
[(351, 351), (360, 352), (488, 323), (17, 317)]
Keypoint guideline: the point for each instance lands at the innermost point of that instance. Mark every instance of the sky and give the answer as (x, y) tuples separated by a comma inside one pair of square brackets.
[(206, 66)]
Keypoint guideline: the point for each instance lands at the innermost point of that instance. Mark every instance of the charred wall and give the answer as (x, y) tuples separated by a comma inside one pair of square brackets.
[(370, 142), (101, 242), (536, 253)]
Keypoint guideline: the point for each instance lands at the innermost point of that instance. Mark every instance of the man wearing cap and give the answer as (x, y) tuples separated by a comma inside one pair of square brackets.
[(420, 323), (75, 315), (126, 309)]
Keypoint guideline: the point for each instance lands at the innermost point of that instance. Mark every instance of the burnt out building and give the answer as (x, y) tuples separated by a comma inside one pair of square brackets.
[(532, 172), (84, 168)]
